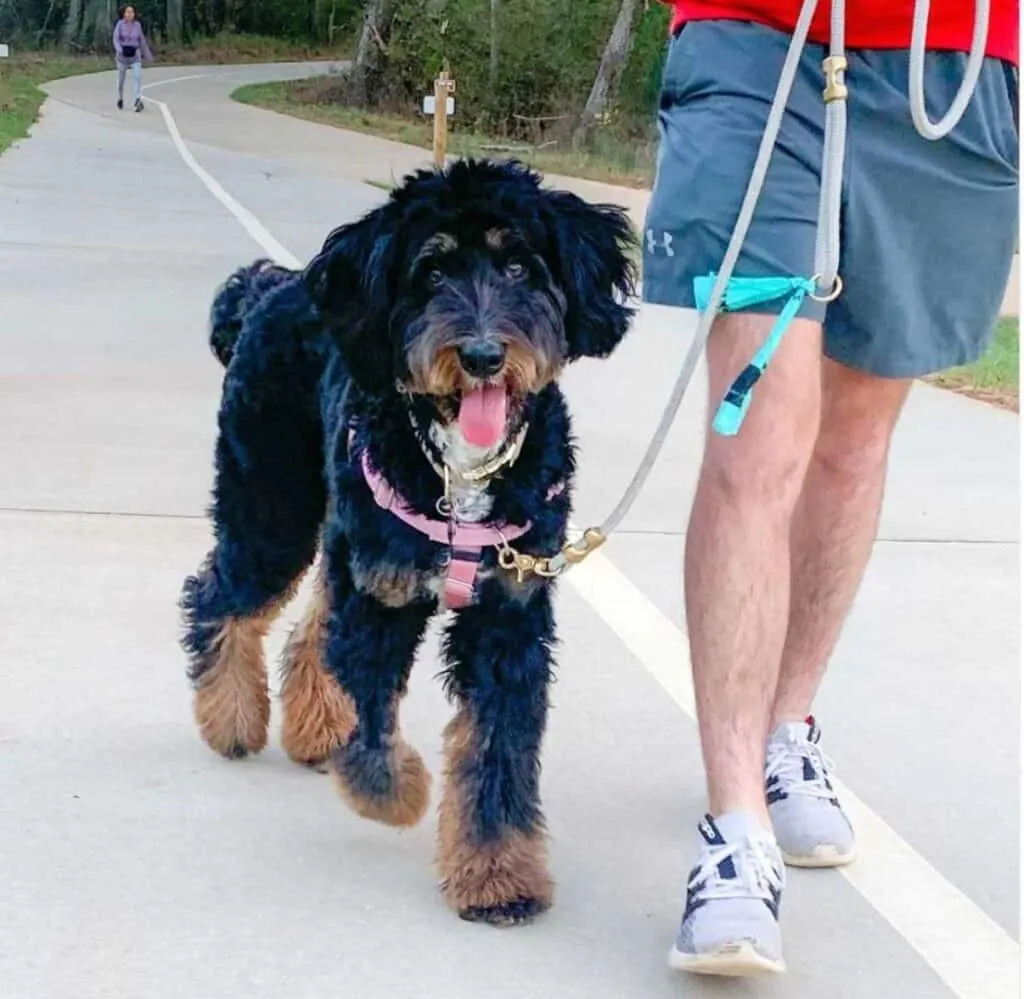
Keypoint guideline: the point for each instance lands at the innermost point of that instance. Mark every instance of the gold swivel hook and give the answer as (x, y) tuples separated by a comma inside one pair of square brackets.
[(835, 79)]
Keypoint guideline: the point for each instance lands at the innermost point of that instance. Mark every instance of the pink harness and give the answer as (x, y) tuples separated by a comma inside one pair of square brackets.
[(466, 542)]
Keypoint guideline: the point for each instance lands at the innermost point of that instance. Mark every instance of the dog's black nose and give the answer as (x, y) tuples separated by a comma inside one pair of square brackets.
[(482, 359)]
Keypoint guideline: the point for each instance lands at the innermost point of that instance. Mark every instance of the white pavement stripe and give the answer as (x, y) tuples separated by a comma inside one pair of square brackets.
[(176, 79), (969, 951), (248, 221)]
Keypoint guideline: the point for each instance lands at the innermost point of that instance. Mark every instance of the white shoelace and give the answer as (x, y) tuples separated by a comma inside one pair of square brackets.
[(758, 874), (786, 761)]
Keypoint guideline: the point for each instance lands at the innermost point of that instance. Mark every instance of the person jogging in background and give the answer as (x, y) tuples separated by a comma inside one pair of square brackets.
[(130, 46), (786, 512)]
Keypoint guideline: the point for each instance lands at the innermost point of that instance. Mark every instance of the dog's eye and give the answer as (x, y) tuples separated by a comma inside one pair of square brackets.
[(515, 269), (435, 277)]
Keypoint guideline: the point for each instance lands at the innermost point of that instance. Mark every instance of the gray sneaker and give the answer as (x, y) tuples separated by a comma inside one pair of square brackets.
[(731, 922), (809, 823)]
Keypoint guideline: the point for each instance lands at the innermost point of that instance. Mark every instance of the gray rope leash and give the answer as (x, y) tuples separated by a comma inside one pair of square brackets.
[(826, 244), (924, 125), (827, 241)]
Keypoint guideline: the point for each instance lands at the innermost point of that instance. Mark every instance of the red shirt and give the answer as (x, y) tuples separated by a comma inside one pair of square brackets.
[(871, 24)]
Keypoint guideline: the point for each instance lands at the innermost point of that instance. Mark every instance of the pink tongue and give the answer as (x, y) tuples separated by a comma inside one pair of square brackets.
[(482, 415)]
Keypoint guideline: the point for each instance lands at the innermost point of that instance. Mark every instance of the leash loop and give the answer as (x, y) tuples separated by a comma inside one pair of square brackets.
[(831, 296), (975, 60)]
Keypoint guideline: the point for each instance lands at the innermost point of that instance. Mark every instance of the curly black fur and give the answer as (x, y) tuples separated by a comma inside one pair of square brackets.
[(238, 296), (361, 352)]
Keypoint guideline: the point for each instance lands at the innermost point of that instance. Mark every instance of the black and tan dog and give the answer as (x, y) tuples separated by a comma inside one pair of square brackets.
[(395, 408)]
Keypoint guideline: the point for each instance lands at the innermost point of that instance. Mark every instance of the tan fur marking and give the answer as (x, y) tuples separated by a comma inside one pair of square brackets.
[(392, 587), (483, 875), (444, 377), (318, 714), (495, 239), (526, 371), (412, 796), (232, 704), (440, 242)]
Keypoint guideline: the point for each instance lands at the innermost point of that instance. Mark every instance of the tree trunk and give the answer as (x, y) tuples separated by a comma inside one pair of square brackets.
[(609, 73), (368, 55), (493, 79), (99, 22), (90, 24), (175, 21), (73, 24), (322, 21)]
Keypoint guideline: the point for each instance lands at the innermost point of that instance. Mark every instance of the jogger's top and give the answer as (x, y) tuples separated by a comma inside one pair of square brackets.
[(130, 43)]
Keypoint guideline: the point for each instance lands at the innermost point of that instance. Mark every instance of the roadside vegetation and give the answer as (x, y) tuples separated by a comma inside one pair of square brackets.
[(569, 86)]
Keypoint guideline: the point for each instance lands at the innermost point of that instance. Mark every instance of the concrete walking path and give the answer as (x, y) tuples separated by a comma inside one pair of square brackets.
[(135, 864)]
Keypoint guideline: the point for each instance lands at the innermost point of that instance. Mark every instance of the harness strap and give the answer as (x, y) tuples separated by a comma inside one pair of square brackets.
[(465, 542)]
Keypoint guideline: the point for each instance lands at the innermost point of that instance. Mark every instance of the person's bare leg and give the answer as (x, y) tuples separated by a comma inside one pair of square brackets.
[(835, 525), (737, 569)]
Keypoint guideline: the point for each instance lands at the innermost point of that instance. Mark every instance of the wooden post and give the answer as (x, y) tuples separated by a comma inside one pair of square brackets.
[(444, 87)]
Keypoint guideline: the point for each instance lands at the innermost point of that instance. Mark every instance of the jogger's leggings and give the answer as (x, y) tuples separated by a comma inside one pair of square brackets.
[(136, 68)]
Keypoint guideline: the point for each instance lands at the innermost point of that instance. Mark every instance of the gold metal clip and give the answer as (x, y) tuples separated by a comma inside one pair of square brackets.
[(520, 563), (573, 553), (444, 503), (835, 79), (576, 551)]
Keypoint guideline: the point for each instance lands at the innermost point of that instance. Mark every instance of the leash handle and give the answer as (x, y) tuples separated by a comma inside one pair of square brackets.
[(975, 60)]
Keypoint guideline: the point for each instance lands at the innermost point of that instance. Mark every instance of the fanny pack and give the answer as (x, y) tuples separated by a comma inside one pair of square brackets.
[(128, 51)]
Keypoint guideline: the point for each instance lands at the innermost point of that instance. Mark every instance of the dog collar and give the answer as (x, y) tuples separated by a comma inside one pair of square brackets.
[(465, 542), (483, 473)]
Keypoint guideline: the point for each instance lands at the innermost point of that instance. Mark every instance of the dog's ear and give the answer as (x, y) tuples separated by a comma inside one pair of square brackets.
[(590, 260), (352, 282)]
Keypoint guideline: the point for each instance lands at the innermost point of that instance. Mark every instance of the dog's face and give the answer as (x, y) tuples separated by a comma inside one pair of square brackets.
[(475, 286)]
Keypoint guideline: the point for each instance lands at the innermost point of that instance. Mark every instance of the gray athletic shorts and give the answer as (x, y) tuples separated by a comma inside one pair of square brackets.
[(928, 228)]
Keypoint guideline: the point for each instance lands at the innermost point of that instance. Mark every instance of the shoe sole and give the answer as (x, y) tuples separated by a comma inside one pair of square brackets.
[(823, 856), (738, 960)]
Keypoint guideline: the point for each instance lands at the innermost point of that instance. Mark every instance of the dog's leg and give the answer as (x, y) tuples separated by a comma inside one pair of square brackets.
[(229, 607), (268, 505), (491, 845), (318, 714), (231, 703), (370, 650)]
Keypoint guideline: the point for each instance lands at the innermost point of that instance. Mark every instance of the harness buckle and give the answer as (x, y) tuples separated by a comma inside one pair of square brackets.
[(835, 78)]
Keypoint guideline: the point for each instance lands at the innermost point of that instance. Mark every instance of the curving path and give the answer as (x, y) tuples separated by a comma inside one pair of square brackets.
[(134, 864)]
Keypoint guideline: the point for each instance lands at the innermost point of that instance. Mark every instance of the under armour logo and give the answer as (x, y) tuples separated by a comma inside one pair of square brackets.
[(666, 243)]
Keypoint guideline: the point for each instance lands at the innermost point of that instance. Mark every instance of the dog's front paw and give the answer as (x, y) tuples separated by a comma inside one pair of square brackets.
[(502, 883), (387, 785), (517, 912)]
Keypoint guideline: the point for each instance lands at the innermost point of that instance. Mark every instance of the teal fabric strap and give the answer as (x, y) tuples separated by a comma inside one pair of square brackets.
[(742, 293)]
